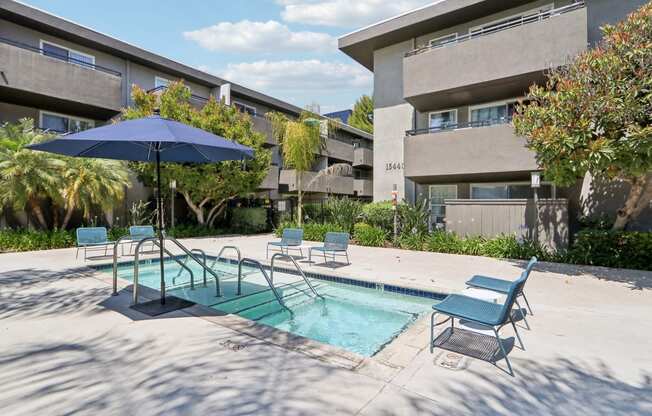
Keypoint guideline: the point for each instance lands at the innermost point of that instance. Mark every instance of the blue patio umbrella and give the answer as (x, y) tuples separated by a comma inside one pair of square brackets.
[(149, 139)]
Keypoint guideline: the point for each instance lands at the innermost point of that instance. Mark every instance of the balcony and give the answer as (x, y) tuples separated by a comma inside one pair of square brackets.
[(363, 187), (262, 125), (32, 78), (341, 185), (363, 157), (337, 149), (271, 180), (494, 63), (466, 151)]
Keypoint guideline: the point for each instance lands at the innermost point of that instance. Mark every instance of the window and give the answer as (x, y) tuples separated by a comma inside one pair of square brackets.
[(510, 21), (514, 190), (61, 123), (438, 194), (160, 82), (244, 108), (492, 113), (66, 54), (440, 120), (443, 40)]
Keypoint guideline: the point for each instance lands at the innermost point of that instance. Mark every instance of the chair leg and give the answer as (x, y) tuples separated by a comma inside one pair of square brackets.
[(77, 254), (516, 332), (502, 348), (267, 251), (432, 331), (520, 311), (346, 253), (301, 252), (527, 303)]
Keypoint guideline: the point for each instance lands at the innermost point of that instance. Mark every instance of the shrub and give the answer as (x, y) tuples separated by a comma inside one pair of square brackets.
[(117, 232), (379, 214), (508, 246), (193, 230), (28, 240), (443, 242), (412, 241), (368, 235), (626, 249), (283, 225), (414, 219), (249, 220), (312, 212), (344, 212)]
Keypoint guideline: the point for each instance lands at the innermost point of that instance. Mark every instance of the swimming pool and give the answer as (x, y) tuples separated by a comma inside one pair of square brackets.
[(358, 316)]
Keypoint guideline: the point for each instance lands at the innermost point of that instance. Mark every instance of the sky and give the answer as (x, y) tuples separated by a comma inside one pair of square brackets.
[(284, 48)]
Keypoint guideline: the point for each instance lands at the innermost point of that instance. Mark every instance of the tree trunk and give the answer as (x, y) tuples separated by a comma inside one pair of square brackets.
[(635, 193), (299, 199), (66, 219), (38, 213), (197, 210), (216, 214)]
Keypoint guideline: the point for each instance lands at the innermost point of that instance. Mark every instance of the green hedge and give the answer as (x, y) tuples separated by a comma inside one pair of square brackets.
[(369, 235), (379, 214), (29, 240), (249, 220), (622, 249)]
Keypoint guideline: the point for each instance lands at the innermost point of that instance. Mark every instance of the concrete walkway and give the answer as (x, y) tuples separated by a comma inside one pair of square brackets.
[(67, 346)]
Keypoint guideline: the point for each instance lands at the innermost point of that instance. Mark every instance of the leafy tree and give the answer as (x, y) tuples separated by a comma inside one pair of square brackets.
[(593, 115), (206, 188), (87, 183), (363, 114), (27, 178), (300, 140)]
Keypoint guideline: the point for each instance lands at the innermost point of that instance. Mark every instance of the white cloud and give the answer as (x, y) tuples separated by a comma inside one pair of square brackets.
[(305, 76), (345, 13), (271, 36)]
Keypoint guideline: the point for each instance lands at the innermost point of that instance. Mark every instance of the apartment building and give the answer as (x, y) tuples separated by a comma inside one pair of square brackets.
[(68, 77), (446, 79)]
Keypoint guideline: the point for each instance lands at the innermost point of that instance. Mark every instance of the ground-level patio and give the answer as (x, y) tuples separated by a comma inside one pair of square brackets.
[(67, 346)]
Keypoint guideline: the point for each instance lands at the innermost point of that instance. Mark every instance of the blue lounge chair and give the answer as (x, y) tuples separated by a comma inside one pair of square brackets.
[(140, 232), (290, 239), (502, 286), (480, 312), (334, 244), (90, 237)]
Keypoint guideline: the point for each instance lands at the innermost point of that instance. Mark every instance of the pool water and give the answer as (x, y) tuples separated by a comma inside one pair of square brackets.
[(358, 319)]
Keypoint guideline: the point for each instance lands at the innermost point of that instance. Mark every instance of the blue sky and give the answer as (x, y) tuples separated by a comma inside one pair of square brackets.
[(285, 48)]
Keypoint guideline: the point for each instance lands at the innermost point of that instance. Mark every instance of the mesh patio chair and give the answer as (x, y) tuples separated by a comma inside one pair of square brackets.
[(334, 244), (139, 232), (292, 238), (91, 237)]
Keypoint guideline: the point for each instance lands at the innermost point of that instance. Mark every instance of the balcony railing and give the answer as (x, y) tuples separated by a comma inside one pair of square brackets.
[(64, 58), (524, 20), (457, 126)]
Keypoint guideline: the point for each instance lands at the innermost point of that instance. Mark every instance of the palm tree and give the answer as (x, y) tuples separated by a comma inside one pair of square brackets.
[(89, 183), (26, 177)]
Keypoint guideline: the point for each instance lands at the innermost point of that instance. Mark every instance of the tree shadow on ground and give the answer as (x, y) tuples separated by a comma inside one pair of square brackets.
[(634, 279), (561, 387)]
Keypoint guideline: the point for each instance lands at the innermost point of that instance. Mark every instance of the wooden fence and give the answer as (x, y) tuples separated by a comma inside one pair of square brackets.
[(472, 217)]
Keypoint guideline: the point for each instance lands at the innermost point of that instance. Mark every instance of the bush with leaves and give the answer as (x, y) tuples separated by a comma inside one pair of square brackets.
[(379, 214), (343, 212), (369, 235), (249, 220), (413, 219), (625, 249)]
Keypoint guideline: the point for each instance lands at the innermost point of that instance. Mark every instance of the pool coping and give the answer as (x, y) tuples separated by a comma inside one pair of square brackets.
[(384, 365)]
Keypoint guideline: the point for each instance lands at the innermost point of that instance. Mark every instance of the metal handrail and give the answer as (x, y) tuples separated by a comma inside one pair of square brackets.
[(457, 126), (504, 26), (59, 57), (137, 267), (189, 253), (219, 255), (269, 281), (296, 265), (115, 262), (185, 261)]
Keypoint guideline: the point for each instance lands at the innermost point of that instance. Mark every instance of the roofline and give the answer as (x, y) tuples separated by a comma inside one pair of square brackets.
[(84, 35)]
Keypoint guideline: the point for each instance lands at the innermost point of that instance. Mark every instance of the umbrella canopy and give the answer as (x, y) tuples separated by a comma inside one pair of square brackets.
[(139, 140), (149, 139)]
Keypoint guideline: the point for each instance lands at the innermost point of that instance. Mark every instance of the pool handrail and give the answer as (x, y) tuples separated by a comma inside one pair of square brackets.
[(137, 261), (269, 281), (218, 291), (219, 255), (185, 261), (296, 265)]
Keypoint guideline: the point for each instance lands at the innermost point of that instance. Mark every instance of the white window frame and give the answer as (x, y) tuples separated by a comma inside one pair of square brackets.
[(553, 189), (92, 67), (453, 110), (453, 185), (246, 106), (432, 41), (492, 104), (165, 83), (69, 117), (543, 8)]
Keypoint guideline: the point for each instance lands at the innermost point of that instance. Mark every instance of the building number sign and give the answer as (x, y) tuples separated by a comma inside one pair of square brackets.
[(389, 166)]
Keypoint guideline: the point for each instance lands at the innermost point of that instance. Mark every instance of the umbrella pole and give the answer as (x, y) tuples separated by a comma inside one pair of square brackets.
[(159, 207)]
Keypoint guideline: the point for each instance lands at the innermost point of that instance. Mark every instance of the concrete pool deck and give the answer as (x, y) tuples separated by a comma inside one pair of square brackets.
[(67, 346)]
